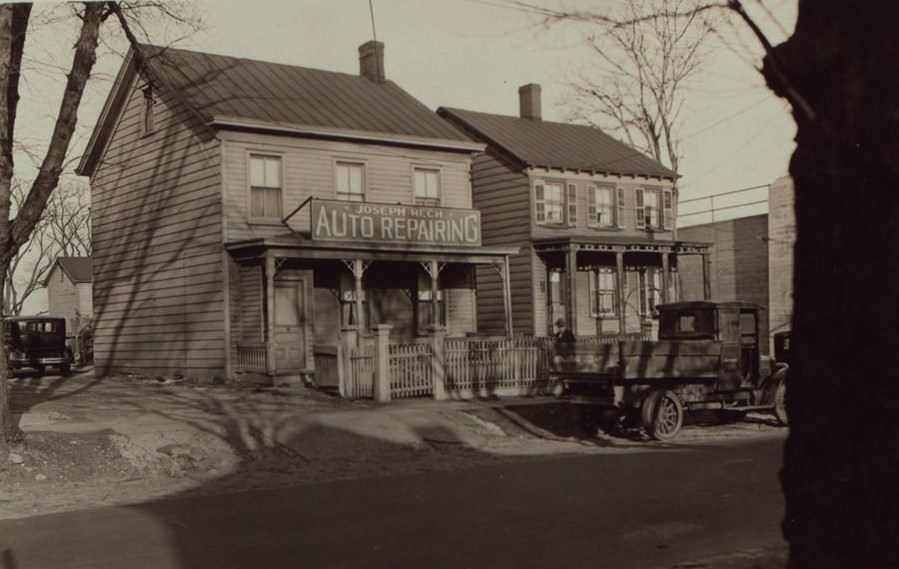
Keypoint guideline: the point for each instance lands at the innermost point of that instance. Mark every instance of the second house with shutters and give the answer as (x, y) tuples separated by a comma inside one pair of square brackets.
[(593, 218)]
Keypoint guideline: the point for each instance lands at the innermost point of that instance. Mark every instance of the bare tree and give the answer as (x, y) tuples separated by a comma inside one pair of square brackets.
[(635, 87), (90, 17), (62, 231)]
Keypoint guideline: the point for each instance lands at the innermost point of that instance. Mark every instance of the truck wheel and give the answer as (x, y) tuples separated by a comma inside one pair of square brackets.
[(662, 415), (780, 403)]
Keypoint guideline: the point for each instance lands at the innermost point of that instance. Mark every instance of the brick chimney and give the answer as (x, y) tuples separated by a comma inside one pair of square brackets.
[(371, 61), (529, 101)]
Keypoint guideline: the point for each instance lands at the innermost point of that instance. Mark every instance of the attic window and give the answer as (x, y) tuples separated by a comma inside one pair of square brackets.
[(148, 120)]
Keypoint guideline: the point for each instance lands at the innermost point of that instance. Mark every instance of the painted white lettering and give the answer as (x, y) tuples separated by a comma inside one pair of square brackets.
[(368, 228), (338, 230), (399, 223), (387, 228), (322, 229), (472, 229), (440, 230)]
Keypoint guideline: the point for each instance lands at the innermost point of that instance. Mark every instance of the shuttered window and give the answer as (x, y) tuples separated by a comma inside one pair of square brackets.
[(638, 208), (539, 204), (571, 204), (647, 208), (549, 203), (600, 207), (668, 210), (265, 187), (619, 211)]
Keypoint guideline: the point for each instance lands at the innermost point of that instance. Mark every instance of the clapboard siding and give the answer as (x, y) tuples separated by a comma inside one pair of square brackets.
[(499, 191), (156, 205), (308, 167), (62, 297)]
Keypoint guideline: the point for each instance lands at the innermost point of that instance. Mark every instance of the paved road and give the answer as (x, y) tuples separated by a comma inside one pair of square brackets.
[(624, 511)]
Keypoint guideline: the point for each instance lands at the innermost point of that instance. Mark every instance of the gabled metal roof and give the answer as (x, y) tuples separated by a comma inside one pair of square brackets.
[(222, 86), (540, 143), (233, 92)]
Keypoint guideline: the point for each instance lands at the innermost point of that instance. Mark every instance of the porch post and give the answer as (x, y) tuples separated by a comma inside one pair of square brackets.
[(358, 271), (507, 296), (571, 269), (665, 278), (434, 270), (269, 314), (706, 277), (620, 284)]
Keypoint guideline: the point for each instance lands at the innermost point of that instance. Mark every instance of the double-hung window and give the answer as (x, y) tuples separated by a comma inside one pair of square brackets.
[(601, 207), (549, 202), (350, 181), (655, 208), (265, 187), (426, 183), (603, 293)]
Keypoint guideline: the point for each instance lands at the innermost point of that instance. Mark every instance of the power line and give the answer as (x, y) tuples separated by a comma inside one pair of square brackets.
[(371, 10)]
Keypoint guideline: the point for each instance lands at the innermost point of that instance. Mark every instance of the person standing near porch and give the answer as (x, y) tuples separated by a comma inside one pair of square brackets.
[(561, 333)]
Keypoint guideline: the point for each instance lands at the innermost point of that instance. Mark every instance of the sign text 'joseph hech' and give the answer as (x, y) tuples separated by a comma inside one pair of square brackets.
[(412, 224)]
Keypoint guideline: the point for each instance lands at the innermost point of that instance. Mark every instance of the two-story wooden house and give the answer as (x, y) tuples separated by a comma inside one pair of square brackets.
[(246, 213), (593, 218)]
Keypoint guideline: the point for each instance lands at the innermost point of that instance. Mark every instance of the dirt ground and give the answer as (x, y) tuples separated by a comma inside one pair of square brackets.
[(129, 439)]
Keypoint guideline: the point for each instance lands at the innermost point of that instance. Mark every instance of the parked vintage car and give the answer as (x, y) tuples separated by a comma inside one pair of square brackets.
[(707, 357), (37, 342)]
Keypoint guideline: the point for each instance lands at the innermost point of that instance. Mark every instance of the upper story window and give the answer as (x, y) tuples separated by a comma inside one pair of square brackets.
[(265, 186), (555, 203), (601, 210), (351, 181), (654, 208), (426, 184), (148, 111)]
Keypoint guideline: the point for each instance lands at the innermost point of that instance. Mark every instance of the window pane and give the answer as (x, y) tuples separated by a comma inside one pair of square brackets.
[(272, 203), (272, 173), (553, 203), (257, 172), (257, 202)]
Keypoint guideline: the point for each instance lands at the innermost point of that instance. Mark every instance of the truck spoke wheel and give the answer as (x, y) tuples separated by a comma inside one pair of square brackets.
[(780, 403), (662, 415)]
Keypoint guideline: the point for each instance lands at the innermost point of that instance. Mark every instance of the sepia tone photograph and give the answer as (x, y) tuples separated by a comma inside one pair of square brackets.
[(525, 284)]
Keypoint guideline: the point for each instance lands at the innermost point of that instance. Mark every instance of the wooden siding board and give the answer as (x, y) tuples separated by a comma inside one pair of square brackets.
[(157, 247)]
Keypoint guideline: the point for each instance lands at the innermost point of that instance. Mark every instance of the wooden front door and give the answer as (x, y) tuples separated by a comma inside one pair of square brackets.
[(290, 325)]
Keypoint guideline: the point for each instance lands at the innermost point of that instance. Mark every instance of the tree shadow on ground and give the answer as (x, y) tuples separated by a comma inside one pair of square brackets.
[(28, 388)]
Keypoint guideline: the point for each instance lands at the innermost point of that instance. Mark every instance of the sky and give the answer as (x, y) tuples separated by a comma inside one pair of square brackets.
[(470, 54)]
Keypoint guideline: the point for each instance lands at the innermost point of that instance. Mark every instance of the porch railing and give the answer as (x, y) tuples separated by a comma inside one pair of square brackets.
[(251, 356)]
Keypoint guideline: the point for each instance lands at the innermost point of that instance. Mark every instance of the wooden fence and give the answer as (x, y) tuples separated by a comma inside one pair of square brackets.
[(469, 367), (483, 367), (411, 370), (360, 372)]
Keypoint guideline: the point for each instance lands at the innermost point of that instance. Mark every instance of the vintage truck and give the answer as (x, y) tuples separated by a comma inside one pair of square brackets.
[(707, 357)]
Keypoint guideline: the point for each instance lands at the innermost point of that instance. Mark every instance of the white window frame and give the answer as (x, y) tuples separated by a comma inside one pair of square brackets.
[(427, 200), (654, 218), (350, 196), (265, 156), (542, 204), (594, 219)]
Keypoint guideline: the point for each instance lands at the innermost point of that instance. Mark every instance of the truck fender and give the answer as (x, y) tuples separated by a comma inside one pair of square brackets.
[(769, 386)]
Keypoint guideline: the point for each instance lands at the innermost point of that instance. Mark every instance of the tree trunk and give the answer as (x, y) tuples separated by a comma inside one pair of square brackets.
[(841, 461)]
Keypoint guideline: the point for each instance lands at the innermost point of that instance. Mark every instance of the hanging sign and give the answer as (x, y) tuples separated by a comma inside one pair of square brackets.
[(334, 220)]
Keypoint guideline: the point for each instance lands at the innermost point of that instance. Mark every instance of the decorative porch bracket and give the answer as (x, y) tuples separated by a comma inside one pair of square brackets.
[(358, 267)]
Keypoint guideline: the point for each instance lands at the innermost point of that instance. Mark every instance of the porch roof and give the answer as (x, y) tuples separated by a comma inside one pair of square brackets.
[(297, 247), (614, 243)]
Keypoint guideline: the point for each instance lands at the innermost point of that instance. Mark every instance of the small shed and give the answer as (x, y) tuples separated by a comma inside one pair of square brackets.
[(70, 291)]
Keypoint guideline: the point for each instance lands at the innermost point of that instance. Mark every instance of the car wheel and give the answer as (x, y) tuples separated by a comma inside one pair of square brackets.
[(662, 415), (780, 403)]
